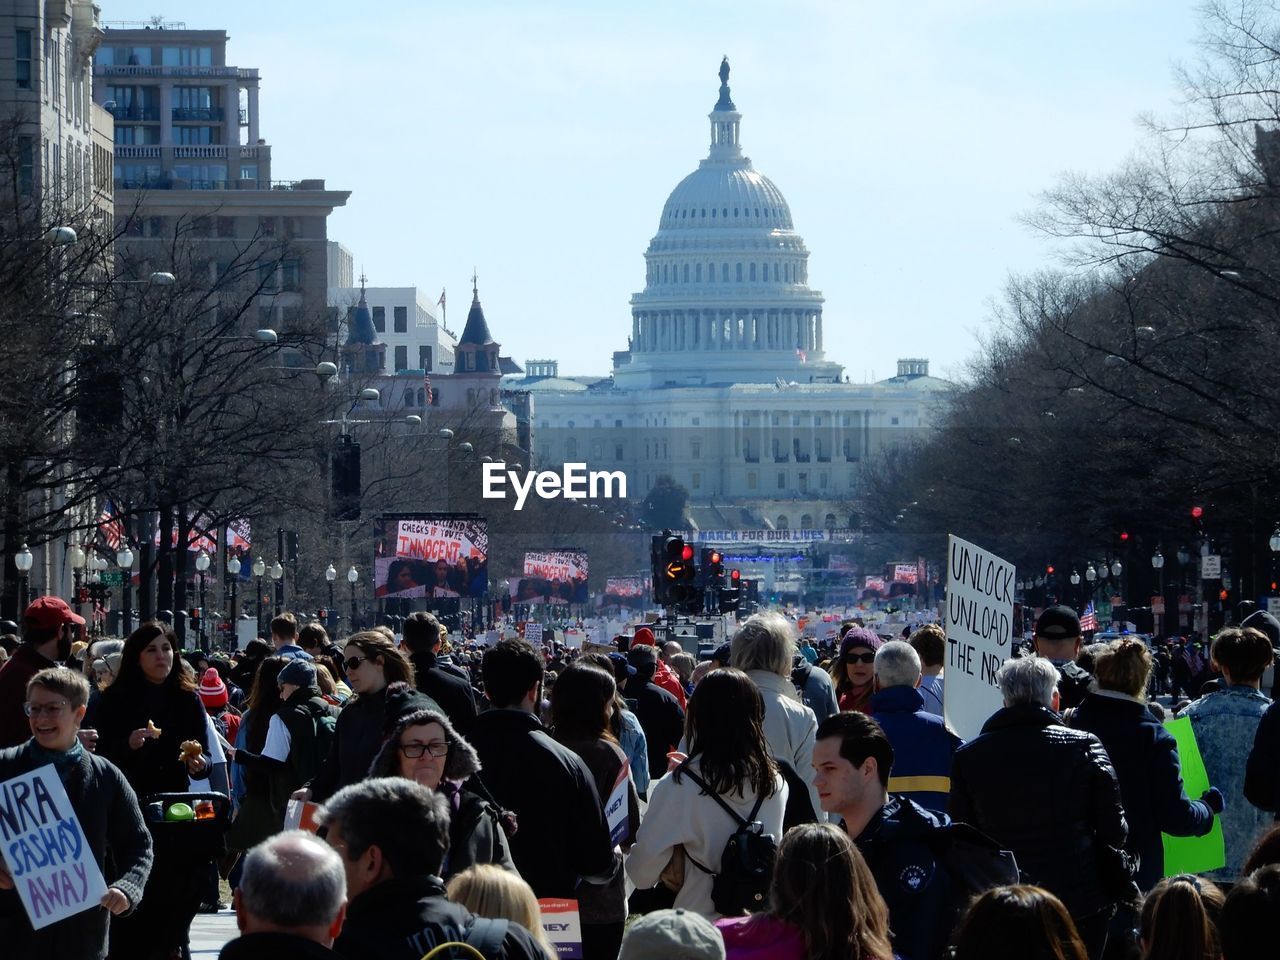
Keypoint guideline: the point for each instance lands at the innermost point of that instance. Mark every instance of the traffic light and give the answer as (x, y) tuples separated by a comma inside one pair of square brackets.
[(346, 479), (731, 596), (673, 569), (193, 616), (712, 568)]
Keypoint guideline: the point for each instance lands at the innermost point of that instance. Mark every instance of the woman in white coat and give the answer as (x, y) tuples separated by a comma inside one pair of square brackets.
[(728, 751), (764, 648)]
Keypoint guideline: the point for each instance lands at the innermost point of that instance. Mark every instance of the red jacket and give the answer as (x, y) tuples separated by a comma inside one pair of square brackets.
[(17, 670), (668, 681)]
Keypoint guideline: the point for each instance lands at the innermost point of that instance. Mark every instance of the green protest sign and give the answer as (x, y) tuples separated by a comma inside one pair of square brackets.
[(1192, 854)]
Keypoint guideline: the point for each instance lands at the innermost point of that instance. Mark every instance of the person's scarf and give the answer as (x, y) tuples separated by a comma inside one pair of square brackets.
[(63, 760)]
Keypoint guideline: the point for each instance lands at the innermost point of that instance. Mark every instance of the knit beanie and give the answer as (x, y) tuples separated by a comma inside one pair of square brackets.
[(213, 692)]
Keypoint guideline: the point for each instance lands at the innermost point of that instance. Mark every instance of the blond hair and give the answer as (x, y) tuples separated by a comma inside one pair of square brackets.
[(490, 891), (1123, 666)]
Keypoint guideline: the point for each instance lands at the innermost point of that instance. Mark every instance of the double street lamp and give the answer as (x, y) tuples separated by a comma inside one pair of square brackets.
[(259, 568), (124, 560)]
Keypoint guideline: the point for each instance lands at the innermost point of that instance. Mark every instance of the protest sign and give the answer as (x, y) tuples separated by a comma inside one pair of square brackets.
[(1192, 854), (301, 815), (605, 648), (431, 555), (533, 633), (618, 807), (573, 638), (45, 850), (979, 634), (562, 925)]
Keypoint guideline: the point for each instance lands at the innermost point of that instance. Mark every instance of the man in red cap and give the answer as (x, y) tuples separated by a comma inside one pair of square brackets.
[(46, 641), (664, 677)]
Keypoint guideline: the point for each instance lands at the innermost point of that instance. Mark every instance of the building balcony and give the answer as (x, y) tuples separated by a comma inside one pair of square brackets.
[(802, 458), (824, 458), (136, 113), (206, 114), (781, 458), (223, 73), (127, 151), (751, 457), (851, 458)]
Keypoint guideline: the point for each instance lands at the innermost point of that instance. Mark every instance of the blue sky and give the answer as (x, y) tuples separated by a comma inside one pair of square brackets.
[(538, 141)]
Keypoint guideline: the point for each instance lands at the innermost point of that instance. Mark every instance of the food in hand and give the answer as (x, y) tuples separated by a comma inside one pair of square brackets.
[(152, 729), (191, 750)]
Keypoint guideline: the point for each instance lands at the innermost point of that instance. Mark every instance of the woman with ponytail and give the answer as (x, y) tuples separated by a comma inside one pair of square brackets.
[(1145, 756), (1180, 920)]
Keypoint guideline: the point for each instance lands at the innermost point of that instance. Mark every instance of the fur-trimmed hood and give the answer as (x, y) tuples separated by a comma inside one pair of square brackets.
[(462, 762)]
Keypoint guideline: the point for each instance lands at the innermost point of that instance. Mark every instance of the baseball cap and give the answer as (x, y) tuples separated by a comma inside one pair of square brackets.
[(671, 935), (49, 613), (619, 661), (1058, 623)]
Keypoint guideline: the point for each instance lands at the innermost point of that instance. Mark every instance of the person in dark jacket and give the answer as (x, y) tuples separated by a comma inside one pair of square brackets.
[(46, 639), (393, 835), (922, 743), (422, 640), (660, 714), (425, 747), (291, 900), (373, 664), (561, 836), (1145, 757), (106, 808), (1057, 638), (1049, 794)]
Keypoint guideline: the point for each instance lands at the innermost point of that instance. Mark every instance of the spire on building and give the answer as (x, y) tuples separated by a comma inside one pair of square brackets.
[(477, 328), (360, 329), (724, 103), (725, 120)]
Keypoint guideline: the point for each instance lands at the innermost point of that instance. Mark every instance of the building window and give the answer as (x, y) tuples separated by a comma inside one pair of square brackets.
[(617, 423), (267, 226), (226, 226), (402, 358), (597, 450), (401, 319), (697, 481), (408, 398), (685, 273), (248, 171), (617, 452), (751, 480), (783, 523), (695, 449), (893, 421), (26, 163), (380, 319), (697, 273), (782, 480), (724, 273), (823, 480), (424, 358), (752, 276), (22, 54), (571, 449)]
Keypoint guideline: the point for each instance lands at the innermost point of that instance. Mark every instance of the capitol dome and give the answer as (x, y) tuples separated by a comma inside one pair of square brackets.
[(727, 296)]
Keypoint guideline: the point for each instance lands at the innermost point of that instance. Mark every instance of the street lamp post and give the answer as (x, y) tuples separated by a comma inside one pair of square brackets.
[(259, 568), (277, 574), (330, 575), (1157, 564), (202, 567), (233, 570), (23, 560), (124, 560), (76, 557), (353, 577)]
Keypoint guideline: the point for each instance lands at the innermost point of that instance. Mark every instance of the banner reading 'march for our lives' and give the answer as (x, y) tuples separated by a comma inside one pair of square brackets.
[(979, 634)]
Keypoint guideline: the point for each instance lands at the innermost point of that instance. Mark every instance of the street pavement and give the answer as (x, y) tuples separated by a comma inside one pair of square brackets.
[(210, 932)]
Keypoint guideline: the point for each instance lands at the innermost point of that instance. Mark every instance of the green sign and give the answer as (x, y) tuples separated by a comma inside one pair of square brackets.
[(1192, 854), (112, 578)]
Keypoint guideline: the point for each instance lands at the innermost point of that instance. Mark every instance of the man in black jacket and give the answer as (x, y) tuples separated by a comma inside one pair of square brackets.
[(422, 640), (561, 837), (658, 711), (1050, 794), (392, 835), (1057, 638), (290, 902)]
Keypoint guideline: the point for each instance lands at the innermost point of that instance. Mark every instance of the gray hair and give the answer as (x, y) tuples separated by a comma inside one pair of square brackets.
[(1028, 680), (897, 664), (293, 880), (765, 642)]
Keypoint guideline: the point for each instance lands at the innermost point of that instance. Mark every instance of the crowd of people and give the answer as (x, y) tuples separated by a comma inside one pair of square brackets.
[(387, 795)]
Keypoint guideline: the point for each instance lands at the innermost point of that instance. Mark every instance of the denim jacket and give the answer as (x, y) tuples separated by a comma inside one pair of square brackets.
[(1225, 722)]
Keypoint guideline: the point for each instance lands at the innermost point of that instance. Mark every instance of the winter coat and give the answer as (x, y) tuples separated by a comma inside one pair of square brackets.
[(816, 689), (445, 688), (681, 815), (156, 766), (476, 834), (636, 747), (789, 726), (1050, 794), (275, 946), (1225, 723), (404, 918), (1262, 770), (660, 716), (932, 689), (25, 663), (1145, 757), (561, 834), (923, 746), (761, 937), (112, 823)]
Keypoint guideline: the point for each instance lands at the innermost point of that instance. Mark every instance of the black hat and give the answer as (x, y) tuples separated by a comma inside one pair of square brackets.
[(721, 653), (1269, 625), (1058, 623)]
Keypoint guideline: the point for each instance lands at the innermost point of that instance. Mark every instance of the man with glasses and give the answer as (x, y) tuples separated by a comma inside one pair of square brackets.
[(392, 835), (46, 639), (103, 802)]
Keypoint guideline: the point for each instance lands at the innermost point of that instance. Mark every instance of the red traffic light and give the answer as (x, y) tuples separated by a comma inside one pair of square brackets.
[(1124, 535), (1197, 513), (1223, 594), (715, 557), (686, 553), (1049, 569), (736, 575)]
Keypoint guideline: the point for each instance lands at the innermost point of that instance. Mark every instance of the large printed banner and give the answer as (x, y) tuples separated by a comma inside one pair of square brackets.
[(431, 556), (558, 576), (627, 591), (979, 634), (768, 536), (45, 851), (905, 573)]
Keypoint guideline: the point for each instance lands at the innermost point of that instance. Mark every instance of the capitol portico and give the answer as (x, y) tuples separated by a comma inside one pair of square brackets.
[(724, 384)]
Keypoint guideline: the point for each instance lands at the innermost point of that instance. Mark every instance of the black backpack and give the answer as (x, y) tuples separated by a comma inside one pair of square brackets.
[(746, 865)]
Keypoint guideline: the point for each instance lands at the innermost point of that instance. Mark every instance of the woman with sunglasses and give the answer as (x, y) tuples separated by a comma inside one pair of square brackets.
[(372, 662), (853, 672), (425, 747)]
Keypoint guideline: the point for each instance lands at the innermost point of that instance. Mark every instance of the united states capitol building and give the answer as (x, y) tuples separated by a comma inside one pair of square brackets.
[(725, 384)]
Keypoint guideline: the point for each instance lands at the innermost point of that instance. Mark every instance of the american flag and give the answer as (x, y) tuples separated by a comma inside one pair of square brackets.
[(441, 302), (426, 382), (1089, 619), (110, 526)]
